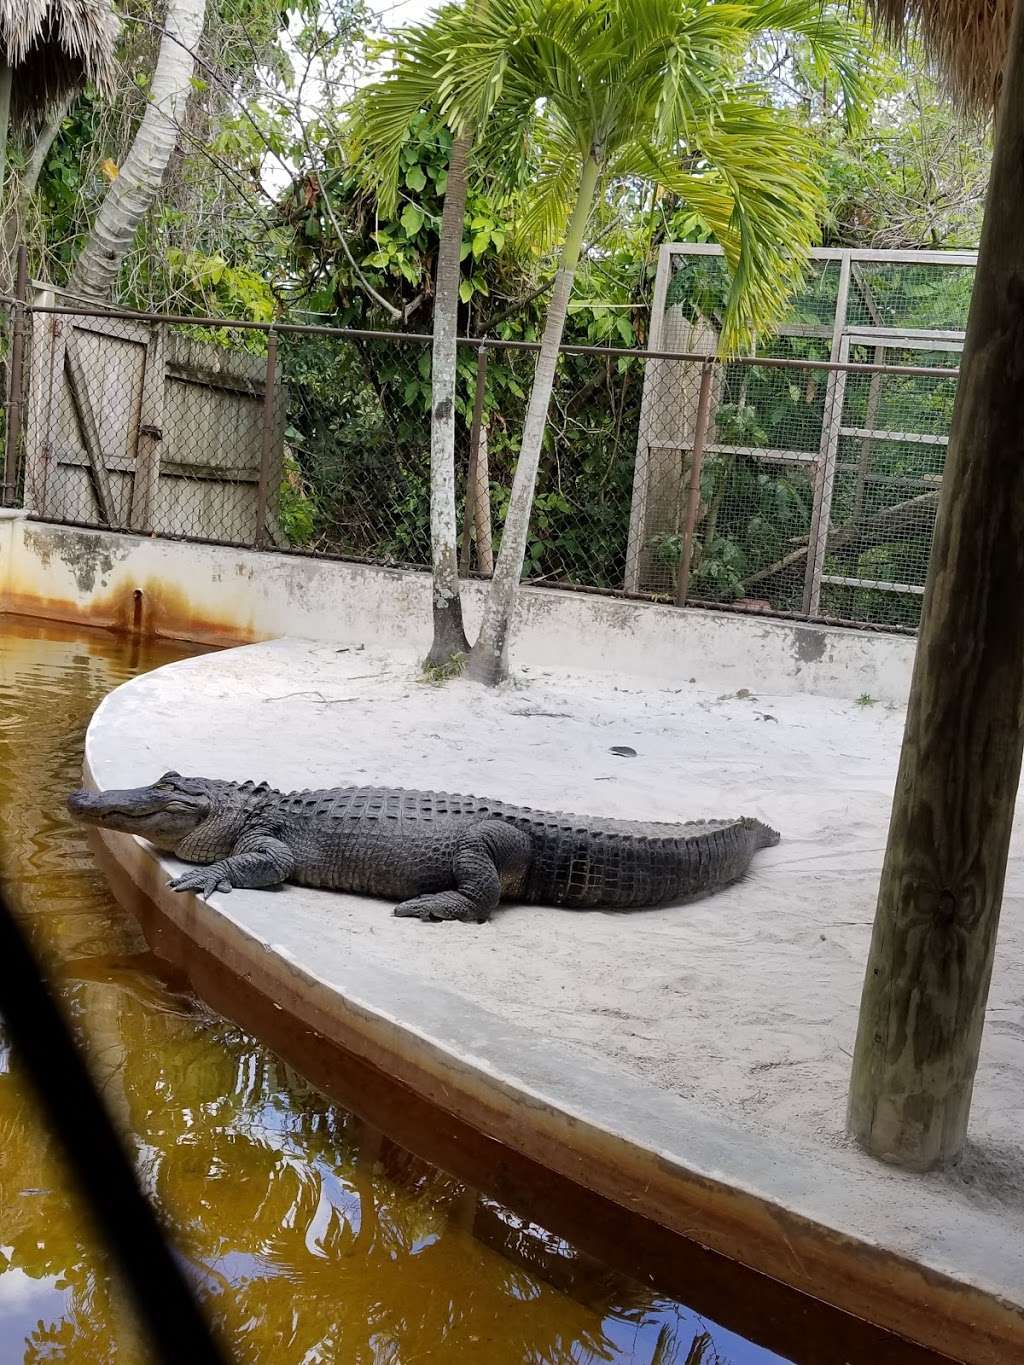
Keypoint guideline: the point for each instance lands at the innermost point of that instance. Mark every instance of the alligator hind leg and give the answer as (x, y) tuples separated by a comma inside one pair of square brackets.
[(489, 858)]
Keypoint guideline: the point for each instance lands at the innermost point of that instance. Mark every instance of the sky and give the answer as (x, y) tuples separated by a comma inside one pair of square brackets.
[(394, 13)]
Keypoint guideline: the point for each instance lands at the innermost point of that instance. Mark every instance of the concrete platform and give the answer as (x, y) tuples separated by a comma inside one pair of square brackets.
[(690, 1063)]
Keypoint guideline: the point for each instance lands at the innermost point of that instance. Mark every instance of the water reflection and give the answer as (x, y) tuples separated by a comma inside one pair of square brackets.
[(312, 1236)]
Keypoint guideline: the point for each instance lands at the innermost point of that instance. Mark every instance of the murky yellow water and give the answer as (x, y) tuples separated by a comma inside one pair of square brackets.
[(314, 1238)]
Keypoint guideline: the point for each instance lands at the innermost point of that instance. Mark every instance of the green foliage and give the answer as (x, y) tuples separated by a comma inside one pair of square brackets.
[(296, 510), (648, 90), (220, 289), (438, 674)]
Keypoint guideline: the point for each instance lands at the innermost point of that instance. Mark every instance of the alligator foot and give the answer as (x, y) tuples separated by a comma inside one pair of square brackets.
[(205, 880), (444, 905)]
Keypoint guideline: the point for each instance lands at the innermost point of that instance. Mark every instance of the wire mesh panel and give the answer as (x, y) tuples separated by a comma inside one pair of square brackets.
[(7, 461), (580, 526), (750, 539), (87, 375), (580, 520), (908, 295), (755, 495), (198, 466), (891, 455), (144, 426), (666, 441), (356, 464)]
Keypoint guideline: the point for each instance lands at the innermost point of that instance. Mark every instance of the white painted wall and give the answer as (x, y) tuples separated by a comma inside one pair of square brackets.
[(224, 595)]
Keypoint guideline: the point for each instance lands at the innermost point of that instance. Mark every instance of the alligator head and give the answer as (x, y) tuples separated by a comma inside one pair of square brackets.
[(164, 813)]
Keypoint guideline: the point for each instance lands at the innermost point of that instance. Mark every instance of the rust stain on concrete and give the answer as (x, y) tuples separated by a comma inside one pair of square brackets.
[(148, 607)]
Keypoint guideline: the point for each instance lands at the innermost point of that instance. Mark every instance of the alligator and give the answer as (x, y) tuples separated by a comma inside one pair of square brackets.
[(441, 856)]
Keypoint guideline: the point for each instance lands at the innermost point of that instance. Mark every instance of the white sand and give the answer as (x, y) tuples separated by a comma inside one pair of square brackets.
[(745, 1003)]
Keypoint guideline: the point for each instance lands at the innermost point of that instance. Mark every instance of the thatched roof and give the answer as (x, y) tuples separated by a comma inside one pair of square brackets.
[(55, 47), (967, 39)]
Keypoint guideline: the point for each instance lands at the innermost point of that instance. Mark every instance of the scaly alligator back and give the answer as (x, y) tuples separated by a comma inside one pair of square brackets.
[(387, 840), (624, 864)]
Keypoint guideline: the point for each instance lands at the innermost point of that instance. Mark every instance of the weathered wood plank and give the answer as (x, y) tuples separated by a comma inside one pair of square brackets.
[(40, 405), (78, 387), (151, 433)]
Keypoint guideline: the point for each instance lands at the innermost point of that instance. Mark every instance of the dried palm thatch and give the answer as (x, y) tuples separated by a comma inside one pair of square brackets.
[(966, 39), (54, 48)]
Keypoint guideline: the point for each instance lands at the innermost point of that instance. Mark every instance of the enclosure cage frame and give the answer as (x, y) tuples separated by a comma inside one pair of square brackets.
[(697, 344)]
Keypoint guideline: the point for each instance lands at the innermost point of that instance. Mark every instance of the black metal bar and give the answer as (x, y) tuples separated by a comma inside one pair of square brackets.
[(16, 380), (57, 1070), (615, 352), (269, 431)]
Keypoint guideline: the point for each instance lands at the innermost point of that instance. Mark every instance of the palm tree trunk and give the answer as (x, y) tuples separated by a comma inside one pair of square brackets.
[(138, 182), (18, 217), (488, 661), (449, 634), (926, 986), (44, 140)]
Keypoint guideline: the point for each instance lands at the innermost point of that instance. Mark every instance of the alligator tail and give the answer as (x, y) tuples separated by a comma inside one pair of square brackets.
[(766, 836)]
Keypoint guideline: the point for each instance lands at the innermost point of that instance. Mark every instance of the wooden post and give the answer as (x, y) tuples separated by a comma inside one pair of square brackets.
[(469, 512), (930, 962), (16, 382), (482, 507), (44, 342), (825, 473), (700, 433), (149, 446), (477, 513), (269, 432)]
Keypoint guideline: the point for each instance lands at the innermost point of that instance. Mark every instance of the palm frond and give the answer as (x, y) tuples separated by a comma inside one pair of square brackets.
[(837, 42), (757, 190), (383, 110), (549, 198)]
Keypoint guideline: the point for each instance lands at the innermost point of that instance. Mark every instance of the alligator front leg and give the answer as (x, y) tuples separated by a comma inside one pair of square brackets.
[(256, 861), (488, 856)]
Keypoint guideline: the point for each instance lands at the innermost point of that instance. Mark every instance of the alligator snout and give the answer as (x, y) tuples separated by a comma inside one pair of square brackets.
[(80, 802)]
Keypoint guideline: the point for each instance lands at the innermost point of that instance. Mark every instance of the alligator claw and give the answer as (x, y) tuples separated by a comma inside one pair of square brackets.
[(202, 882), (422, 907), (431, 909)]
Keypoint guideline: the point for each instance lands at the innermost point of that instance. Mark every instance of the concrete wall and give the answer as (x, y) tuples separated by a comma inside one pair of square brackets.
[(219, 595)]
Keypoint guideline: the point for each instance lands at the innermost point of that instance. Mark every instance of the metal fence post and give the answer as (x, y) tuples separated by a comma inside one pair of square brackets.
[(470, 516), (16, 382), (269, 433), (700, 434), (824, 481)]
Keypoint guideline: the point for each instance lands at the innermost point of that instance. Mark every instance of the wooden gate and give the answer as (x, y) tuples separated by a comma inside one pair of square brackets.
[(134, 426)]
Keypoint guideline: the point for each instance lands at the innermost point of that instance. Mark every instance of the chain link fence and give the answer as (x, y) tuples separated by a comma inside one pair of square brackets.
[(12, 388), (781, 483)]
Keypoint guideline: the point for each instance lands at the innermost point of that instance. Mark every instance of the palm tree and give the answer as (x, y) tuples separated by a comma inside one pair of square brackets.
[(649, 90), (382, 118), (931, 956), (139, 178), (621, 88)]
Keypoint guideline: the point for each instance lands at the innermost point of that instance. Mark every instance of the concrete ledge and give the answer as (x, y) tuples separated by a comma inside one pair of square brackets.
[(221, 595), (887, 1247)]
